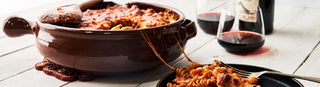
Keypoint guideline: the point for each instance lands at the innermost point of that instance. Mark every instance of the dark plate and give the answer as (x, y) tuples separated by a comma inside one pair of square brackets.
[(264, 81)]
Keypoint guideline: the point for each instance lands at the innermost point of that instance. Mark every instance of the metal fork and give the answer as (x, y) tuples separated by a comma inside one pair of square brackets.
[(248, 74)]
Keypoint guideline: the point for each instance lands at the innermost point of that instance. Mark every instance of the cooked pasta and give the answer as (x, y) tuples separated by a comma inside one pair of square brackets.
[(210, 76), (123, 18)]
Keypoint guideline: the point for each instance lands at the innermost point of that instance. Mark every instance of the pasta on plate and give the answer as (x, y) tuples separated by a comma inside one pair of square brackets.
[(198, 75)]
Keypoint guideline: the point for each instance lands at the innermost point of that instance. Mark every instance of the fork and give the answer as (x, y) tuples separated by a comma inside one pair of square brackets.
[(248, 74)]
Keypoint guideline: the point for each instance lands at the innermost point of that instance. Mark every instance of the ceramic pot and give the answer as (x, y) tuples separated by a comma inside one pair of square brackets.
[(103, 51)]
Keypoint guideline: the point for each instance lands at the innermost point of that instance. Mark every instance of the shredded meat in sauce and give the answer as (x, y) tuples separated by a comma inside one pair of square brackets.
[(123, 18)]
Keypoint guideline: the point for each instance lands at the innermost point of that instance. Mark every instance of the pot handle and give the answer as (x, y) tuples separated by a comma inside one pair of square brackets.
[(190, 28), (16, 26)]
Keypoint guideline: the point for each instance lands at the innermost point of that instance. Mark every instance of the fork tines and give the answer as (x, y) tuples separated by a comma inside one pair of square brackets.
[(242, 73)]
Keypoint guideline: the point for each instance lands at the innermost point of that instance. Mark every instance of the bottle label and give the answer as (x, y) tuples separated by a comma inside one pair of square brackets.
[(248, 10)]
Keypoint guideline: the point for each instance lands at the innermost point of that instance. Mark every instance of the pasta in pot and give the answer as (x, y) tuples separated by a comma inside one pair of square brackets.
[(123, 18)]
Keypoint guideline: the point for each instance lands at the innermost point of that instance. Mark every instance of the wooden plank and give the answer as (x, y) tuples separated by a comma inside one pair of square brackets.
[(18, 67), (299, 3), (14, 6), (283, 16), (2, 18), (305, 25), (9, 45), (309, 68), (19, 61), (100, 83), (108, 82), (313, 4), (32, 78)]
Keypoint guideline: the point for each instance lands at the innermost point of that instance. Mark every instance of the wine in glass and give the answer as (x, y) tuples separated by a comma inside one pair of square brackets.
[(244, 40), (208, 14)]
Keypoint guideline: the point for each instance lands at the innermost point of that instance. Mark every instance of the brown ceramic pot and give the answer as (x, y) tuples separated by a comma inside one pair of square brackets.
[(104, 51)]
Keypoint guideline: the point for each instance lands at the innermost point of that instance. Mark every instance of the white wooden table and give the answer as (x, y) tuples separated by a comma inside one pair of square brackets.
[(292, 48)]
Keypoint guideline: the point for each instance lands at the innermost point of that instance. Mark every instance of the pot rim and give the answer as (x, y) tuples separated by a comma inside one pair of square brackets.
[(56, 27)]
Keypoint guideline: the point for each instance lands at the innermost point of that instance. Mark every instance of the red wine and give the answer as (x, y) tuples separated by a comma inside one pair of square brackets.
[(241, 41), (267, 7), (209, 22)]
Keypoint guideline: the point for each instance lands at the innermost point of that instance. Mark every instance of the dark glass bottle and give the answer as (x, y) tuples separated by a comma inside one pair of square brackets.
[(267, 7)]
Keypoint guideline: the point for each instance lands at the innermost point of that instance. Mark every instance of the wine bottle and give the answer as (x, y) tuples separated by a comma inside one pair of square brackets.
[(248, 15)]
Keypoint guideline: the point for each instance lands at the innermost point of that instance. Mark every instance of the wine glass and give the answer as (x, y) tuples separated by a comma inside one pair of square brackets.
[(208, 14), (244, 40)]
